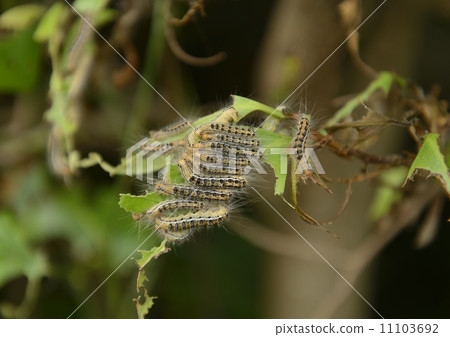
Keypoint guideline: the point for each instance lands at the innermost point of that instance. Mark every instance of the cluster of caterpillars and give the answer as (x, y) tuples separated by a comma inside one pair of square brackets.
[(213, 162)]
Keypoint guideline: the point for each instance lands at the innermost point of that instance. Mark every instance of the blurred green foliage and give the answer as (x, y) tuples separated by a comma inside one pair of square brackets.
[(62, 232)]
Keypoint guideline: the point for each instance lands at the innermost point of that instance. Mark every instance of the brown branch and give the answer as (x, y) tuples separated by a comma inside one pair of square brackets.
[(194, 7), (349, 152), (348, 193)]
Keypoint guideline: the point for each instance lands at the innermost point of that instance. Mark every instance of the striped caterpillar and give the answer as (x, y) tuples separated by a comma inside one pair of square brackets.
[(232, 140), (163, 147), (169, 130), (300, 141), (224, 128), (302, 136), (212, 159), (210, 217), (186, 191), (223, 182), (181, 227)]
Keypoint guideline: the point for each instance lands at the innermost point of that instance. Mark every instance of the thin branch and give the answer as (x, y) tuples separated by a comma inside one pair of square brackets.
[(180, 53), (348, 152)]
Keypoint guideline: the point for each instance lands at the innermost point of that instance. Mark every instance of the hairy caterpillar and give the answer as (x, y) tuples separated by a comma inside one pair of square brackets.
[(224, 182), (218, 170), (227, 149), (187, 221), (163, 147), (173, 205), (229, 115), (224, 128), (186, 191), (238, 162), (302, 136), (169, 130), (181, 227), (232, 140)]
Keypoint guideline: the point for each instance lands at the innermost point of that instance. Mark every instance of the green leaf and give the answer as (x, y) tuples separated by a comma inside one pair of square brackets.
[(20, 59), (148, 255), (246, 106), (383, 82), (49, 22), (175, 176), (21, 17), (388, 193), (275, 144), (139, 203), (144, 302), (431, 159)]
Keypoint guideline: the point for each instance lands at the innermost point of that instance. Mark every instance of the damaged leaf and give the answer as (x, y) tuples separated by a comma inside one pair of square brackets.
[(144, 302), (430, 159)]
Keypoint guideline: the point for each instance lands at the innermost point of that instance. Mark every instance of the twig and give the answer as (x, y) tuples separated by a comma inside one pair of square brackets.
[(180, 53), (348, 152), (194, 7)]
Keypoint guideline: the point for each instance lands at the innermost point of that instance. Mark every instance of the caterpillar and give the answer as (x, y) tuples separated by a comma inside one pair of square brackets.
[(238, 162), (302, 136), (224, 182), (224, 128), (169, 130), (181, 227), (175, 236), (227, 149), (191, 220), (174, 205), (232, 140), (163, 147), (186, 191), (217, 170), (229, 115)]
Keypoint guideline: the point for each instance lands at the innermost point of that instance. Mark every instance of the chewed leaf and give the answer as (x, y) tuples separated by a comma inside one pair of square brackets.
[(275, 155), (148, 255), (144, 302), (383, 82), (431, 159), (139, 203), (243, 105)]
